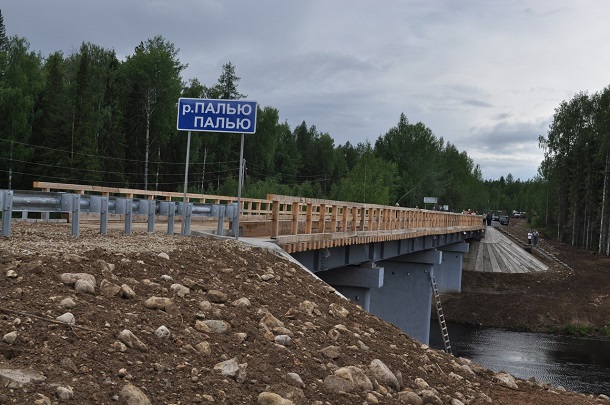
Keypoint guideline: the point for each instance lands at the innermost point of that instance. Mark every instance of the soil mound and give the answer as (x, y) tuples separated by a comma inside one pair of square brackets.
[(156, 319)]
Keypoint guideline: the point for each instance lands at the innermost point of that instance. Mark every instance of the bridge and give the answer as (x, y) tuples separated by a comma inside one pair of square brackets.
[(389, 260)]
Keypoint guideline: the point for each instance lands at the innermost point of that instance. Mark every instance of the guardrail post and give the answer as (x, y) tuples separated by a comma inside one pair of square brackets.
[(128, 215), (233, 213), (222, 212), (104, 215), (6, 200), (171, 213), (76, 215), (186, 227), (152, 206)]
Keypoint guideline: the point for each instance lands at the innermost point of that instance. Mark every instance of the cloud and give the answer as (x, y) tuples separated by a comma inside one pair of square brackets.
[(485, 76)]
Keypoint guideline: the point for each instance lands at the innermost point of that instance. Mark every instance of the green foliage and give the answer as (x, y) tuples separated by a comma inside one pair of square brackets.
[(576, 330), (606, 330), (88, 117), (370, 181)]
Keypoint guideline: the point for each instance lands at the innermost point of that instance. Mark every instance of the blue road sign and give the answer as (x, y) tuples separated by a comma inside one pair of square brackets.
[(211, 115)]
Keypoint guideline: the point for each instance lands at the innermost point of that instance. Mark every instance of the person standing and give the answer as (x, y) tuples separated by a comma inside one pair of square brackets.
[(529, 237), (535, 237)]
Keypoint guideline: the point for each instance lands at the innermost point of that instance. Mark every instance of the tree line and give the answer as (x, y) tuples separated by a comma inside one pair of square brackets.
[(91, 118)]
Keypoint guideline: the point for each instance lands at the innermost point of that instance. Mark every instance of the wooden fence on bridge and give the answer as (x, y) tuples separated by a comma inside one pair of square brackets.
[(300, 224)]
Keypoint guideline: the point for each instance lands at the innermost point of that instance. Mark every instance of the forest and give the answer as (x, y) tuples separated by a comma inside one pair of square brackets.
[(90, 118)]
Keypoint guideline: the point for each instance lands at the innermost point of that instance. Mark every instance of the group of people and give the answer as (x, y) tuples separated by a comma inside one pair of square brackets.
[(532, 236)]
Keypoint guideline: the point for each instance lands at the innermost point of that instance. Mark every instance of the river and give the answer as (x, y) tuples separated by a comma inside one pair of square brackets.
[(575, 363)]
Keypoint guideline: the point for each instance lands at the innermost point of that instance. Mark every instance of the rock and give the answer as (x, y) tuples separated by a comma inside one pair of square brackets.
[(68, 318), (337, 384), (421, 384), (338, 310), (108, 288), (203, 348), (271, 398), (217, 326), (241, 303), (371, 398), (383, 374), (11, 274), (217, 296), (43, 400), (84, 287), (283, 340), (409, 398), (10, 337), (131, 341), (65, 393), (134, 396), (67, 303), (162, 303), (126, 292), (22, 376), (507, 380), (162, 332), (163, 255), (271, 321), (430, 397), (355, 375), (309, 308), (71, 278), (332, 352), (295, 379), (180, 290), (231, 368)]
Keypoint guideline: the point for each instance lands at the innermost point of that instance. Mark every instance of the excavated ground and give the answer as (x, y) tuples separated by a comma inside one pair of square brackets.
[(577, 297), (274, 330)]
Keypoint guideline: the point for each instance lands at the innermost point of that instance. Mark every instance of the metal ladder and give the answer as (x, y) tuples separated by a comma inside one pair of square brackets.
[(440, 315)]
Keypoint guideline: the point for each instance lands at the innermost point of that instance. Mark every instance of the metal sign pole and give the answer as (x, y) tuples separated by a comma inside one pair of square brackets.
[(240, 180), (186, 177)]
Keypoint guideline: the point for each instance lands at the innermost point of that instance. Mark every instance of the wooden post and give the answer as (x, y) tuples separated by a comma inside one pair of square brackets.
[(308, 221), (322, 219), (294, 225), (275, 219)]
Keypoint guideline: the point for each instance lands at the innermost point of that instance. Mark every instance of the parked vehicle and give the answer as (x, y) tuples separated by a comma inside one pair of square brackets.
[(504, 219)]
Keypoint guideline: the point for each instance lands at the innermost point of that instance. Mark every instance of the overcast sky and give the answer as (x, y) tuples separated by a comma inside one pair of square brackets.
[(484, 75)]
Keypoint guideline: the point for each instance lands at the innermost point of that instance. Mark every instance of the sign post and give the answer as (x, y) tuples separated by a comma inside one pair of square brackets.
[(211, 115)]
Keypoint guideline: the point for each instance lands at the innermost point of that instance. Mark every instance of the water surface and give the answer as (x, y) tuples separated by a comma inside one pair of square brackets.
[(575, 363)]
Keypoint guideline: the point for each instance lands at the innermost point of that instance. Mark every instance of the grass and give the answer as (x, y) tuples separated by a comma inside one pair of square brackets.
[(577, 330)]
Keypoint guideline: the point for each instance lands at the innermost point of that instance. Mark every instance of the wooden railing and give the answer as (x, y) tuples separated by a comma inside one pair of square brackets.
[(299, 224), (250, 206)]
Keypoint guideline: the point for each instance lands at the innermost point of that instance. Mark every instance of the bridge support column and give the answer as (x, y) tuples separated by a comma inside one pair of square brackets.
[(406, 296), (355, 282), (449, 273)]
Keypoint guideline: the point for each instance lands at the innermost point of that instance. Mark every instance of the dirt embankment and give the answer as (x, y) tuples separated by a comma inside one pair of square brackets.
[(154, 319), (576, 298)]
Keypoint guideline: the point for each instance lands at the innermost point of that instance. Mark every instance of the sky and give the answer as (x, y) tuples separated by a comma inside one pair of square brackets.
[(484, 75)]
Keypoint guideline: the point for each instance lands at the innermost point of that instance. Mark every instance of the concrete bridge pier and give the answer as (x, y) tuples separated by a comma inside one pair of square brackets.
[(356, 282), (448, 274), (406, 296)]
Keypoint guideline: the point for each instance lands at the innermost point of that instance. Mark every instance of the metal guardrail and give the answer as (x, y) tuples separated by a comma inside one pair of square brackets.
[(75, 204)]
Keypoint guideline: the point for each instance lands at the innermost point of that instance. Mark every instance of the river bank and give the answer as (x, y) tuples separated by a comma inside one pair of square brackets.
[(570, 299)]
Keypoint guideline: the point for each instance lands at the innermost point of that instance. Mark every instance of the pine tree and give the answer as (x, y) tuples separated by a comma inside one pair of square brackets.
[(3, 38)]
